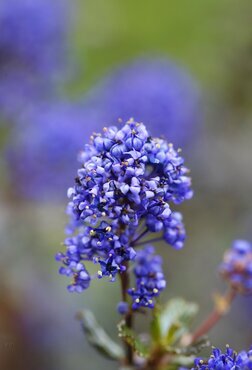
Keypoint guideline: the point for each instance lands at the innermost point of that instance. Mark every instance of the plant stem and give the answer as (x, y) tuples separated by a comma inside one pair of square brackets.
[(149, 241), (139, 237), (125, 283), (129, 316), (221, 308), (156, 359)]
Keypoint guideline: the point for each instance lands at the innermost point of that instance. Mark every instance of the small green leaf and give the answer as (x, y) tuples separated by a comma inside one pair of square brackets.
[(97, 336), (172, 332), (188, 351), (175, 319), (155, 326), (186, 361), (184, 356), (180, 361), (131, 339)]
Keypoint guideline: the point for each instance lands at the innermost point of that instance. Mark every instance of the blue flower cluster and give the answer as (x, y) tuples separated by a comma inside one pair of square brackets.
[(228, 360), (123, 192), (150, 280), (154, 91), (33, 51), (237, 266)]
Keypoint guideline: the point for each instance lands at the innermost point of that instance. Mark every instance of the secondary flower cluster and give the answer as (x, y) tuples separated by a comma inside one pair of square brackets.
[(237, 266), (126, 184), (228, 360), (149, 278)]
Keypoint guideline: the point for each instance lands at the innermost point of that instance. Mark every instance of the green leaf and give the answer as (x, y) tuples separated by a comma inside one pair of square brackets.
[(180, 361), (189, 351), (97, 336), (172, 332), (176, 318), (131, 339), (184, 356), (155, 326), (186, 361)]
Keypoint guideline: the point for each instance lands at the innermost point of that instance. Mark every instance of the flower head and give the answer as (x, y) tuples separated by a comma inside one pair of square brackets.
[(154, 91), (227, 360), (127, 181), (237, 266)]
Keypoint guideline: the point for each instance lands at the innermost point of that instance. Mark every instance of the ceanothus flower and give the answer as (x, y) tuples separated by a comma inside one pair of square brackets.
[(237, 266), (42, 149), (149, 277), (228, 360), (152, 90), (123, 192), (33, 50)]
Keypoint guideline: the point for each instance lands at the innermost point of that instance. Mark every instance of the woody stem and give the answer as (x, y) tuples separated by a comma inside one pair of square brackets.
[(218, 312), (125, 282)]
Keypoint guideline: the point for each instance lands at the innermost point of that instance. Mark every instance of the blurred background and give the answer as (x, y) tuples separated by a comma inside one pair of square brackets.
[(68, 68)]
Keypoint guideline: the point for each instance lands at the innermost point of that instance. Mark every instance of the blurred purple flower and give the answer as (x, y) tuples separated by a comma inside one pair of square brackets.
[(33, 49), (41, 152), (18, 93), (33, 35), (236, 267), (154, 91)]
